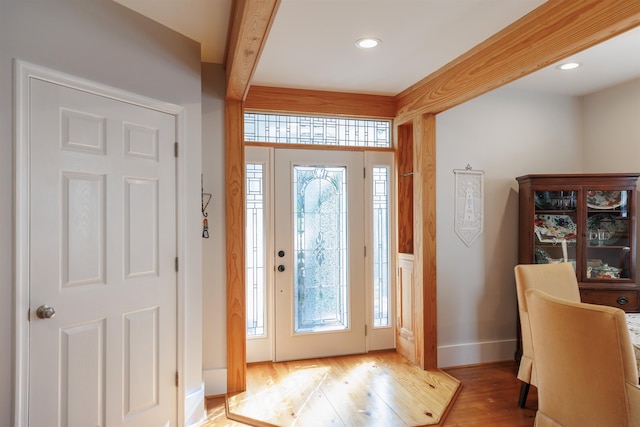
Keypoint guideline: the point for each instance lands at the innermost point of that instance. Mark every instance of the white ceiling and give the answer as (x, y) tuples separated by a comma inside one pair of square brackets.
[(607, 64), (311, 43)]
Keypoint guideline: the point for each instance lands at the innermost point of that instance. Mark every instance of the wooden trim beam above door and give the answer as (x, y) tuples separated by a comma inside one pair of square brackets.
[(250, 24), (304, 101), (553, 31)]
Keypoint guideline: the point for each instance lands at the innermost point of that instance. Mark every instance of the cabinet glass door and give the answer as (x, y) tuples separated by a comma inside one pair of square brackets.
[(608, 235), (555, 226)]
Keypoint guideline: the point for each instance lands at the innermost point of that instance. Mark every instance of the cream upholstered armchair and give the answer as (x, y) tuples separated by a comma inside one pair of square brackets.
[(585, 366), (555, 279)]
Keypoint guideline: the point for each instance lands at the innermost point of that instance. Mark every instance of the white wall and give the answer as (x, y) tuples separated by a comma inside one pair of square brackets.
[(214, 275), (104, 42), (505, 133)]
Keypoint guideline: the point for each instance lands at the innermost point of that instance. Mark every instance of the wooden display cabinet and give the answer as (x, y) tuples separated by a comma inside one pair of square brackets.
[(590, 221)]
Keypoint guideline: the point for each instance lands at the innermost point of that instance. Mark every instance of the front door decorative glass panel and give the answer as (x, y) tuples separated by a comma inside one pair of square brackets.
[(320, 308), (320, 249)]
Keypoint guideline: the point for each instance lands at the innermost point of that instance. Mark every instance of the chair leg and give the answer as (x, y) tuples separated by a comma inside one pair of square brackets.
[(524, 391)]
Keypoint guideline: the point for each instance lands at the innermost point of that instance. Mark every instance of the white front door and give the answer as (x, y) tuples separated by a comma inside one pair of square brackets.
[(102, 255), (319, 253)]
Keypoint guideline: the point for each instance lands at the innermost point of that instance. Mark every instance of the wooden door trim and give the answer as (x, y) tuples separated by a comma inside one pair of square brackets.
[(283, 100), (424, 249)]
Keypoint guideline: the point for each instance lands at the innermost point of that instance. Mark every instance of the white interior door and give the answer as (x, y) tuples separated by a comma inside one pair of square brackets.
[(102, 255), (319, 253)]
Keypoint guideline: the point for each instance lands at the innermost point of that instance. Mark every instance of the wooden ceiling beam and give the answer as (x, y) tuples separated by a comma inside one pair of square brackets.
[(553, 31), (250, 24)]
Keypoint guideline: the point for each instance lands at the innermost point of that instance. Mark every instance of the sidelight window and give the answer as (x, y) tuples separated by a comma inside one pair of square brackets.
[(381, 235), (255, 250)]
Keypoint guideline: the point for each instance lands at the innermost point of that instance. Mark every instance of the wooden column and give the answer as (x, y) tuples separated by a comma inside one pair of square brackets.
[(235, 230), (250, 23), (424, 238)]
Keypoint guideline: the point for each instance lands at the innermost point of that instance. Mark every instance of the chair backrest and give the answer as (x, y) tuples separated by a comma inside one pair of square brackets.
[(558, 280), (585, 364), (555, 279)]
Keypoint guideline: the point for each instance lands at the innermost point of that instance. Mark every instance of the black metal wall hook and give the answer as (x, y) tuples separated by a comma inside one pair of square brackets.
[(205, 221), (204, 195)]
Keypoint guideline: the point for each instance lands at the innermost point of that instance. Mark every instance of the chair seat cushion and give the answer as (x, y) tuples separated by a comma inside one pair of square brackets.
[(633, 323)]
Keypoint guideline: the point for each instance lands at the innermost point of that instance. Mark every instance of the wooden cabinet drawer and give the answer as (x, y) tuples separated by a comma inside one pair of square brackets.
[(626, 300)]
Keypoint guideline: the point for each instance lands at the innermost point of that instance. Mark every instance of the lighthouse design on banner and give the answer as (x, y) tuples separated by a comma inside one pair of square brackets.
[(469, 204)]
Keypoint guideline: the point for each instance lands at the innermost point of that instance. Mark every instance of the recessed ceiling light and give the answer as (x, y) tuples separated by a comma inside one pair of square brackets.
[(568, 66), (368, 43)]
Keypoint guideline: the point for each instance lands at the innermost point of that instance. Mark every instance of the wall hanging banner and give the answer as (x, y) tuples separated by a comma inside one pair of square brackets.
[(469, 204)]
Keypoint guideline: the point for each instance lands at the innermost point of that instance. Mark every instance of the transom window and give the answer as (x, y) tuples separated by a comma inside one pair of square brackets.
[(316, 130)]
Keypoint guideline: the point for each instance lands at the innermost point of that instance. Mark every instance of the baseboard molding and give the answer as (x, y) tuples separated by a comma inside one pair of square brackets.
[(215, 381), (474, 353), (195, 412)]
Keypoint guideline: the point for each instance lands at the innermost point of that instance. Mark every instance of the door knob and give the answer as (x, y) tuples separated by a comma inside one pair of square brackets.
[(622, 300), (281, 268), (45, 312), (280, 254)]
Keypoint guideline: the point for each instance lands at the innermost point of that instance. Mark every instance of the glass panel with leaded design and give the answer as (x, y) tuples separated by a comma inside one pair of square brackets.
[(316, 130), (255, 247), (320, 249), (381, 248)]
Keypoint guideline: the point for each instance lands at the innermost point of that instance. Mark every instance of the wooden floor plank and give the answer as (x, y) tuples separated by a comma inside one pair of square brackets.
[(410, 392), (276, 392), (349, 389), (487, 397)]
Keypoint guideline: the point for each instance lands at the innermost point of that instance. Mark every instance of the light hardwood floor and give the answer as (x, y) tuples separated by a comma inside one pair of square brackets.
[(361, 394)]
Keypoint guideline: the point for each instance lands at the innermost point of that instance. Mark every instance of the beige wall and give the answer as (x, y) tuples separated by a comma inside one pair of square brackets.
[(505, 133), (508, 133), (214, 363), (100, 40), (612, 129), (611, 120)]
